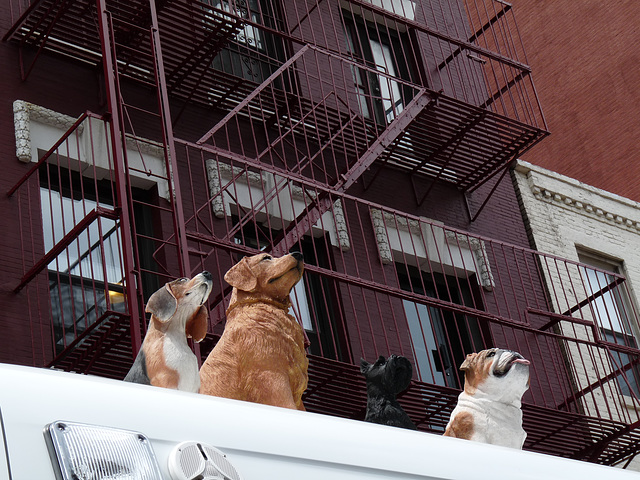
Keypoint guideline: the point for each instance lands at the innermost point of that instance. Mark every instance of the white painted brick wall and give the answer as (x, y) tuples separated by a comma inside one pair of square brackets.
[(565, 214)]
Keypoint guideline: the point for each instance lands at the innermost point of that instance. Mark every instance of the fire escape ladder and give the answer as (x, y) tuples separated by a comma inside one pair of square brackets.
[(169, 149), (258, 90), (394, 130), (121, 118), (312, 213), (123, 193)]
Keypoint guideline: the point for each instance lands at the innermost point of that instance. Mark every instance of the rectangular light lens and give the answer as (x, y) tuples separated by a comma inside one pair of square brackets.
[(90, 452)]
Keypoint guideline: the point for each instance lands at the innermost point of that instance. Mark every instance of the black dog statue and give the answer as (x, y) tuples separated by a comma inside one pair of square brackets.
[(385, 379)]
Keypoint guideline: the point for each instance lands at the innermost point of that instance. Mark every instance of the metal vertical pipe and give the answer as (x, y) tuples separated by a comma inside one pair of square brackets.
[(120, 170)]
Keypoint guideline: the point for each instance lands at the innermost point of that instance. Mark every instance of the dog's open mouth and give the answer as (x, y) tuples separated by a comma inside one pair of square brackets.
[(508, 360)]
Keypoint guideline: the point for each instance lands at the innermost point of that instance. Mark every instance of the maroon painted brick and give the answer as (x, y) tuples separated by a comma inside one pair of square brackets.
[(587, 65)]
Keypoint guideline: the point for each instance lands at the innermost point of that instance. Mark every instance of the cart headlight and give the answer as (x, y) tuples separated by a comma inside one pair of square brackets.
[(90, 452)]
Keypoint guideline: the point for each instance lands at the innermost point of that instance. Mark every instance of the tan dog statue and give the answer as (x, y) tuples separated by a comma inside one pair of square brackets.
[(261, 355), (488, 409), (177, 313)]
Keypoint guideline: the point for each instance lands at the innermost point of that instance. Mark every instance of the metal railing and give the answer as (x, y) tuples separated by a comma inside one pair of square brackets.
[(377, 280), (380, 281)]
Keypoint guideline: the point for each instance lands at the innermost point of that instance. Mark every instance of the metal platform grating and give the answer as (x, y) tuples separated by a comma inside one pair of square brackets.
[(104, 349), (339, 389)]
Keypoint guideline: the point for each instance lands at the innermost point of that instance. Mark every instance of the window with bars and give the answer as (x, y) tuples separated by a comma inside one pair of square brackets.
[(611, 308), (440, 338), (380, 48), (85, 279), (255, 53)]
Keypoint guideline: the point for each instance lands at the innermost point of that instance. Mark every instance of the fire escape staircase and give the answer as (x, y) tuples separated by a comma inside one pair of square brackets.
[(321, 204)]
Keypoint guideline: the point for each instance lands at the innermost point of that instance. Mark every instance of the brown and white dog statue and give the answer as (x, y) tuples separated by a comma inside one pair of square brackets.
[(488, 408), (177, 313), (260, 356)]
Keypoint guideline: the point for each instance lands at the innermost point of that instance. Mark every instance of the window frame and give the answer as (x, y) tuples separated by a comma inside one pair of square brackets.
[(245, 57), (443, 362), (360, 35), (619, 303)]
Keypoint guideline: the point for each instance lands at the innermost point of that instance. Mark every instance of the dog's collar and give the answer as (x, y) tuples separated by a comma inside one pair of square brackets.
[(281, 305)]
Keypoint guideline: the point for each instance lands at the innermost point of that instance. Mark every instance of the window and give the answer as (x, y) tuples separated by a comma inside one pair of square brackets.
[(380, 97), (85, 280), (449, 266), (441, 339), (610, 306), (254, 54)]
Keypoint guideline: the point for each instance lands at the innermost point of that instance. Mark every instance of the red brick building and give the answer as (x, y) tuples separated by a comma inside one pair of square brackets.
[(145, 140), (587, 69)]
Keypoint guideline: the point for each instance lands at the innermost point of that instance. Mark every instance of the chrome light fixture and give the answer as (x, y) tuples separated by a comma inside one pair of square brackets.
[(90, 452), (200, 461)]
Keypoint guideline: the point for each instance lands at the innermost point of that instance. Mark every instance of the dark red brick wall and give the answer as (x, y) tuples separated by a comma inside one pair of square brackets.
[(500, 218), (586, 68)]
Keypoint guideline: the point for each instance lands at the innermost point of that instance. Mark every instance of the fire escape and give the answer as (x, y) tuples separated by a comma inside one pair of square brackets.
[(294, 125)]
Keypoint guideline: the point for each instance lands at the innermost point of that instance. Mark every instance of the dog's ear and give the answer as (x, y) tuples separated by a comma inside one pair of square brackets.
[(468, 361), (364, 366), (198, 324), (162, 304), (241, 276)]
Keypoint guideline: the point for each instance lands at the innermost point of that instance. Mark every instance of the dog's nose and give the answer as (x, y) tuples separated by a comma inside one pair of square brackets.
[(207, 275), (298, 256)]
